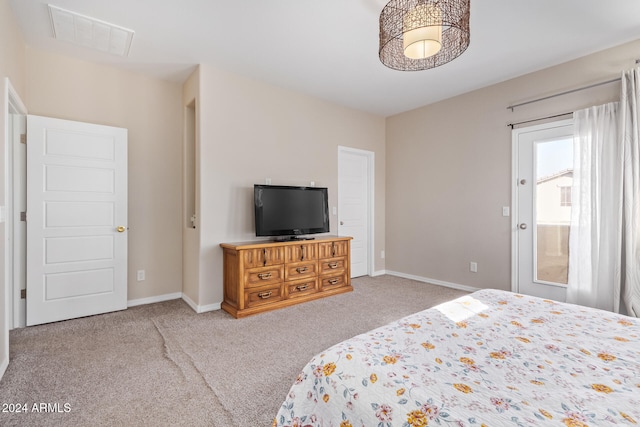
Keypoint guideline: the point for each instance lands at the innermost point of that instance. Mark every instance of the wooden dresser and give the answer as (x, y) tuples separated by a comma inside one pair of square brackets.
[(261, 276)]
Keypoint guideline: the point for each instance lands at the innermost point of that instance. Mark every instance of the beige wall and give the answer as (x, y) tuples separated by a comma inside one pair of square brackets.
[(12, 65), (449, 169), (66, 88), (251, 131)]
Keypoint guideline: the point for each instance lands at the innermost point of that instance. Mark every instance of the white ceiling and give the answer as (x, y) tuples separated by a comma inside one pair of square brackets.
[(329, 48)]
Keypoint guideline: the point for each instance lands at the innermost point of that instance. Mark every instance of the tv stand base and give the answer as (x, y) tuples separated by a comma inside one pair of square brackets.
[(292, 238)]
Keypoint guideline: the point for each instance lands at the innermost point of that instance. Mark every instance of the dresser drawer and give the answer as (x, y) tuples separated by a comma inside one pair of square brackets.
[(333, 265), (333, 249), (300, 270), (262, 257), (263, 276), (301, 252), (262, 296), (301, 287), (330, 282)]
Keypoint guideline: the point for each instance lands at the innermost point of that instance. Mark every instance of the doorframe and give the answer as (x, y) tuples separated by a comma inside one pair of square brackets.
[(515, 155), (370, 157), (11, 103)]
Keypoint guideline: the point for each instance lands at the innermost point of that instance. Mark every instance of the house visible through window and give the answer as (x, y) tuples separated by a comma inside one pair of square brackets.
[(565, 196)]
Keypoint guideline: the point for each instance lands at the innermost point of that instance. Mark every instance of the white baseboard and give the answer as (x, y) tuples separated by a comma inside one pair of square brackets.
[(200, 308), (433, 281), (379, 273), (176, 295), (151, 300)]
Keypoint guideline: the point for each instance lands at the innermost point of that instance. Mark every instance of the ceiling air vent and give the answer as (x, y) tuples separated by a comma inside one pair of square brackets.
[(90, 32)]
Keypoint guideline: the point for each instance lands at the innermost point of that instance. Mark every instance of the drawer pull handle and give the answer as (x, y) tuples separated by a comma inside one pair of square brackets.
[(333, 281), (264, 276), (302, 269), (264, 295), (302, 287), (333, 265)]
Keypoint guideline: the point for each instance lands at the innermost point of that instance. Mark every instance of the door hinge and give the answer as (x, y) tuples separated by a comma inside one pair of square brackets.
[(23, 294), (23, 216), (23, 138)]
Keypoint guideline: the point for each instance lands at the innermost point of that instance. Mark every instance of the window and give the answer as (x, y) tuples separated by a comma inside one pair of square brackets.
[(565, 196)]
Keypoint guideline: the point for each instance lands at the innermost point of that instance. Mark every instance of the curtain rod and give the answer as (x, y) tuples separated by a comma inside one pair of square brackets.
[(512, 107), (511, 125)]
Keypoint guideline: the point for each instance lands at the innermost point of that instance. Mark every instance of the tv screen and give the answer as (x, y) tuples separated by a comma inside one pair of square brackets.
[(290, 211)]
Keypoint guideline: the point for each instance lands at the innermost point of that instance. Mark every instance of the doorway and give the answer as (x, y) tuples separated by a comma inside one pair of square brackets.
[(355, 206), (542, 182)]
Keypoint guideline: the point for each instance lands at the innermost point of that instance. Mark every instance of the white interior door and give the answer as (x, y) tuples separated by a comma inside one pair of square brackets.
[(355, 203), (543, 174), (76, 219)]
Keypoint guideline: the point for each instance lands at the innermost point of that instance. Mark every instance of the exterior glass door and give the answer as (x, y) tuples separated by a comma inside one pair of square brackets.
[(543, 175)]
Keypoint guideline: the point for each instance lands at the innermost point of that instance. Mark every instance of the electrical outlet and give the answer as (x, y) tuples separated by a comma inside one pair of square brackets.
[(267, 181), (141, 275), (382, 254), (473, 267), (505, 211)]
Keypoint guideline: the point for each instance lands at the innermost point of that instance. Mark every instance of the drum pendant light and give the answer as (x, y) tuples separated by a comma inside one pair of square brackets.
[(421, 34)]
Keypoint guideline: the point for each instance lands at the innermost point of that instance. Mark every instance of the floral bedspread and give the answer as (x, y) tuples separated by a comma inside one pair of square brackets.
[(491, 358)]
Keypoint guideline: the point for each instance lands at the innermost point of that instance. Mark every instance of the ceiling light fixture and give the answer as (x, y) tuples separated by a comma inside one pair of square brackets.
[(421, 34)]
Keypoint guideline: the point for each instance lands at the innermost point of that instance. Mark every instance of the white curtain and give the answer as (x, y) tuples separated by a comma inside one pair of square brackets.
[(630, 137), (595, 239), (604, 242)]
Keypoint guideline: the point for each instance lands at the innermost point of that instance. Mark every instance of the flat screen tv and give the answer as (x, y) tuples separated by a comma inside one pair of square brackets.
[(288, 212)]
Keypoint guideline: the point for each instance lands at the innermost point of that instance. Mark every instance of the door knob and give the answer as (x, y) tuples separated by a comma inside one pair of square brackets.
[(121, 229), (341, 222), (523, 226)]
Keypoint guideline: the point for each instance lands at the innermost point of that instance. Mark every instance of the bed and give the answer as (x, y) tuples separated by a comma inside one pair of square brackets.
[(491, 358)]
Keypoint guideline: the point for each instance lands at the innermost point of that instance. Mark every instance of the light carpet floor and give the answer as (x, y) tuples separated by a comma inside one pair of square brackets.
[(163, 365)]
